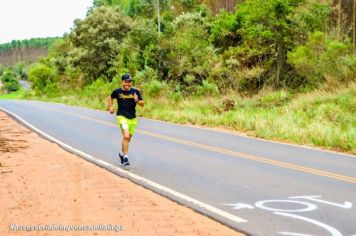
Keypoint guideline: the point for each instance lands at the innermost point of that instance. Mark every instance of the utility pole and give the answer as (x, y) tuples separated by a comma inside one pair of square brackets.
[(339, 20), (159, 39), (354, 28), (158, 18)]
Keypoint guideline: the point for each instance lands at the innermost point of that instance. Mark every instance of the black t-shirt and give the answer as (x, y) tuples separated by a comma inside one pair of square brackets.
[(125, 101)]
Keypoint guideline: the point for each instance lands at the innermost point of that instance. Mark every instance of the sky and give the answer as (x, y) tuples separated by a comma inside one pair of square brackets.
[(25, 19)]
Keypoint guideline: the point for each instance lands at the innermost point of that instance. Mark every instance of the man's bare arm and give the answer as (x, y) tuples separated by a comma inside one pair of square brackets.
[(110, 105), (141, 103)]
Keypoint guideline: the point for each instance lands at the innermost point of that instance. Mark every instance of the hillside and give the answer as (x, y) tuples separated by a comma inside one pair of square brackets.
[(27, 51)]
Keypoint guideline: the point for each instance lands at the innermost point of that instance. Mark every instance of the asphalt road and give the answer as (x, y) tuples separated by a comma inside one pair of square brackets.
[(25, 84), (257, 186)]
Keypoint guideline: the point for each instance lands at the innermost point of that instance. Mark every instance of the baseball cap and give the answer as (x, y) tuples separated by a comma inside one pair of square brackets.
[(126, 77)]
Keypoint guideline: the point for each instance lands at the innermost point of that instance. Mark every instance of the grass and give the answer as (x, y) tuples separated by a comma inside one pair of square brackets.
[(19, 94), (321, 118)]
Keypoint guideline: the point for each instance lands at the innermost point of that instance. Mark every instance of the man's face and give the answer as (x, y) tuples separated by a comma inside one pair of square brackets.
[(126, 84)]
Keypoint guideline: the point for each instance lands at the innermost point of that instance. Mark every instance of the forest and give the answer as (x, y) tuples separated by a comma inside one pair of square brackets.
[(278, 43), (24, 51), (277, 69)]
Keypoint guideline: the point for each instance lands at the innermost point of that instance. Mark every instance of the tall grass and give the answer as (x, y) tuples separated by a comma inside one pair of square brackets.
[(321, 118)]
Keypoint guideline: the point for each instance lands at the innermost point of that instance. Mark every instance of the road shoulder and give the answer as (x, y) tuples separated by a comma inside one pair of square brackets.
[(41, 184)]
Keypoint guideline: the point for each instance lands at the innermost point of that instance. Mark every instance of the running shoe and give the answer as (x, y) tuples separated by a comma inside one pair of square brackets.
[(125, 161), (121, 157)]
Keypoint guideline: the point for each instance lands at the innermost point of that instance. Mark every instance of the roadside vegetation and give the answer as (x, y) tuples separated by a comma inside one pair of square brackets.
[(275, 69), (19, 94), (9, 78), (320, 118)]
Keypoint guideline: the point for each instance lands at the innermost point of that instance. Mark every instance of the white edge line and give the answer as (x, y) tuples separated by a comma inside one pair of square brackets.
[(137, 179)]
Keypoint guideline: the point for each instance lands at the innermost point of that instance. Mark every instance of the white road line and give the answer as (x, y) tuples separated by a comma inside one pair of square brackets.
[(102, 162), (138, 178), (331, 230)]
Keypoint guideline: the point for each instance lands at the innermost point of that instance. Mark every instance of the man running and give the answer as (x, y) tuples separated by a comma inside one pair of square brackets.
[(127, 98)]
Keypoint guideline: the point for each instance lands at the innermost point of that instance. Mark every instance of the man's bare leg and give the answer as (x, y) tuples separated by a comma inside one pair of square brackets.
[(126, 137)]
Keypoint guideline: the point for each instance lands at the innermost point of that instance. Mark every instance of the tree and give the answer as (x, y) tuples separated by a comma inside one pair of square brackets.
[(20, 70), (324, 59), (188, 53), (354, 27), (217, 5), (223, 31), (135, 52), (146, 8), (10, 82), (42, 76), (96, 40), (267, 25), (2, 69)]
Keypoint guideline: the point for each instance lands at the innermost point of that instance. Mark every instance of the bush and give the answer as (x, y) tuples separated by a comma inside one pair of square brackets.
[(324, 59), (12, 86), (223, 30), (207, 89), (96, 40), (146, 75), (99, 88), (154, 88), (175, 94), (8, 76), (187, 18), (278, 98), (41, 75), (2, 69), (138, 49), (188, 54), (52, 90), (10, 82)]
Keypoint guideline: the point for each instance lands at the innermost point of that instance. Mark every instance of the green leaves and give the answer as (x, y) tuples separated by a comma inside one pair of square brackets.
[(324, 59), (41, 76), (242, 50), (96, 40), (313, 16), (223, 31), (258, 36), (267, 22)]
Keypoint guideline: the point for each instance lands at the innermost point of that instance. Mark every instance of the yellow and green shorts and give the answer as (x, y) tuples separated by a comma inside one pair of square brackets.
[(127, 124)]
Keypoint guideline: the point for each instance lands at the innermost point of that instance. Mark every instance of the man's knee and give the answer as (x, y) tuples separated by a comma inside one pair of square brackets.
[(126, 136)]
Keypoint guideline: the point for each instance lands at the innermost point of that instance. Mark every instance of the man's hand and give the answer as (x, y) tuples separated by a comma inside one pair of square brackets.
[(139, 102), (111, 110), (110, 105), (136, 98)]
